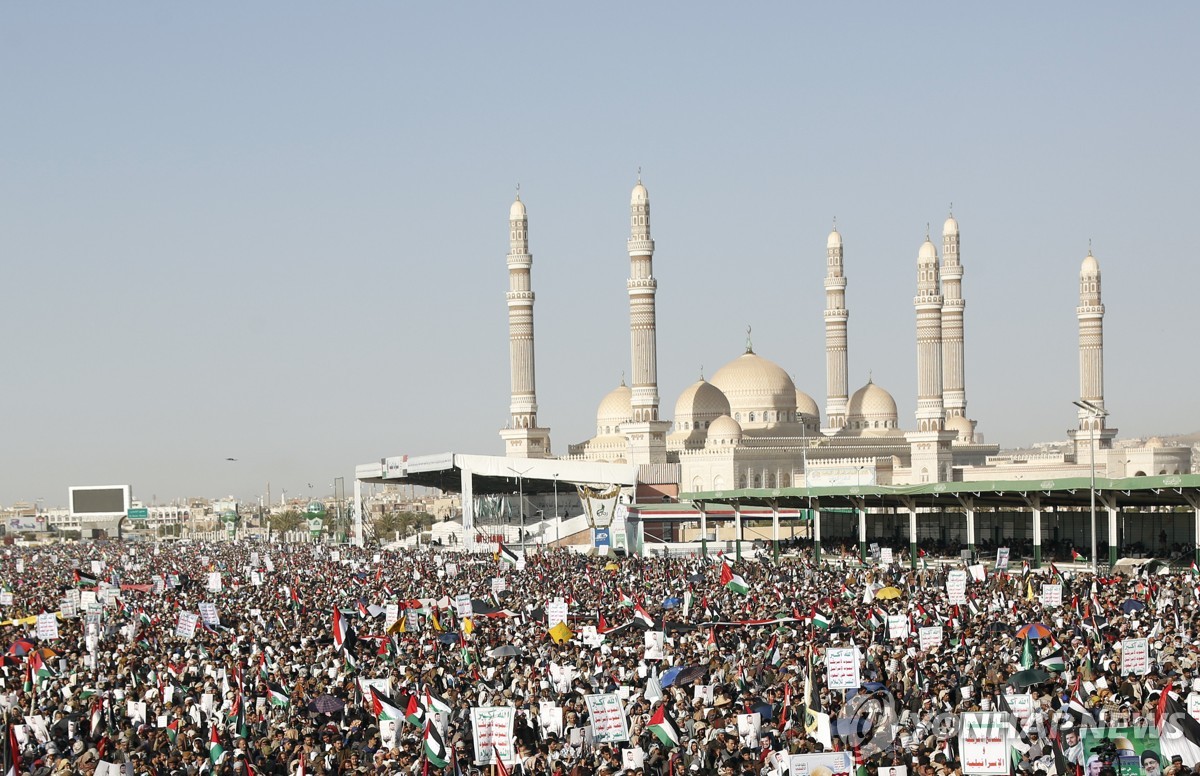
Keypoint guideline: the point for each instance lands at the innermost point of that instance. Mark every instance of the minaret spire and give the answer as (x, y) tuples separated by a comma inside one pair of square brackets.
[(1092, 428), (647, 434), (954, 395), (523, 438), (836, 318), (930, 443)]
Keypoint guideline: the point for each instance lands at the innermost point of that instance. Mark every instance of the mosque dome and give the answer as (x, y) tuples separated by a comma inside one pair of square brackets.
[(724, 430), (950, 227), (806, 405), (640, 196), (961, 426), (517, 210), (701, 401), (928, 252), (615, 408), (1090, 265), (759, 391), (835, 240), (871, 408)]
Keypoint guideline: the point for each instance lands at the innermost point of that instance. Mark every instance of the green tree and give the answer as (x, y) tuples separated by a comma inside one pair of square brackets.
[(288, 521)]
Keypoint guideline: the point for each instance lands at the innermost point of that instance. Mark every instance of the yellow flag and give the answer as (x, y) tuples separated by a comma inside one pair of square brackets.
[(1029, 592), (468, 627), (433, 620), (561, 633)]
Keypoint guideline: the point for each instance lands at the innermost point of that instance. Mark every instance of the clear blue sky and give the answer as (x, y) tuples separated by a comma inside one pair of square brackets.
[(277, 231)]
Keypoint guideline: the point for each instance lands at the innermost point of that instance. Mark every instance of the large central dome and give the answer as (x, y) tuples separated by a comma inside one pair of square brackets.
[(759, 391)]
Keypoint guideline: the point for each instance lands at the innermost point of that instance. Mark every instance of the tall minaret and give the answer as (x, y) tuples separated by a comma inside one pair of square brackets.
[(1090, 313), (836, 317), (954, 394), (646, 435), (523, 438), (930, 443)]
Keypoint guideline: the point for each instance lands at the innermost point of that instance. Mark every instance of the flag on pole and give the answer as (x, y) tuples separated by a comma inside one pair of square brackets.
[(819, 619), (664, 728), (1077, 557), (215, 750), (384, 707), (278, 696), (12, 753), (506, 555), (501, 770), (415, 712), (1178, 733), (435, 747), (734, 582), (642, 618), (339, 629)]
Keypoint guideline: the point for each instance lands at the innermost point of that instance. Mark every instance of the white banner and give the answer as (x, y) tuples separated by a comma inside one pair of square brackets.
[(897, 627), (185, 626), (983, 743), (492, 728), (841, 668), (956, 587), (214, 581), (930, 637), (556, 612), (1135, 656), (599, 504), (607, 718), (208, 613), (837, 763), (47, 626), (1051, 595), (1001, 558), (885, 556), (463, 607)]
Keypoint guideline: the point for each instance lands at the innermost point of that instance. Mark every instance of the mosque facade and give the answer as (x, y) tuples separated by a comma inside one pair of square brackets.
[(748, 426)]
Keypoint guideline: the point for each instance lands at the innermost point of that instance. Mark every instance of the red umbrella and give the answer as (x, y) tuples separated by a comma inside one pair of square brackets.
[(21, 647)]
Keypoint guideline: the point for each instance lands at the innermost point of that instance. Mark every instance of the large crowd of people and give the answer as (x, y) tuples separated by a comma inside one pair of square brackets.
[(248, 657)]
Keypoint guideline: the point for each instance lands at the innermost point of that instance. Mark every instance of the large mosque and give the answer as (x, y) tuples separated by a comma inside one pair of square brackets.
[(750, 427)]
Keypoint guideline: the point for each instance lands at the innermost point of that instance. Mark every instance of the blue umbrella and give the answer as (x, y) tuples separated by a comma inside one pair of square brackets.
[(765, 711), (1132, 605), (873, 686), (669, 675), (671, 603), (448, 638)]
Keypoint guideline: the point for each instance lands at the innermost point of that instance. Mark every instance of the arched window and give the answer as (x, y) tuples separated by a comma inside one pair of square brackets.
[(751, 417)]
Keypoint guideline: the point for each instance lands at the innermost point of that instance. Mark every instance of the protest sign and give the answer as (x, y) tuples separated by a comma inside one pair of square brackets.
[(607, 718), (956, 587), (983, 743), (492, 728), (1135, 657), (841, 668), (185, 626), (930, 638), (47, 626)]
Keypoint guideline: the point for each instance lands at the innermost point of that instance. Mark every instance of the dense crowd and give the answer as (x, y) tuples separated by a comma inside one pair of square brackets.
[(306, 668)]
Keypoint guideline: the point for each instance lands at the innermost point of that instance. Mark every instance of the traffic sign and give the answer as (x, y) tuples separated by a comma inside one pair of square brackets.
[(138, 513)]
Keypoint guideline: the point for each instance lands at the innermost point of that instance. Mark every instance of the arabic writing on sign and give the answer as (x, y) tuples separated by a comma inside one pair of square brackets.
[(607, 718), (841, 668), (1135, 656)]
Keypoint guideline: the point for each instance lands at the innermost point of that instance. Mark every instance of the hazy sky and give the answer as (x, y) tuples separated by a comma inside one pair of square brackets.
[(277, 231)]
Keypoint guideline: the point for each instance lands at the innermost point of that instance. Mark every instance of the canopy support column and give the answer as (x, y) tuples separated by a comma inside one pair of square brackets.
[(1035, 506), (816, 527), (1109, 500), (968, 505), (466, 478), (860, 506), (1193, 500), (775, 529), (737, 533), (911, 506)]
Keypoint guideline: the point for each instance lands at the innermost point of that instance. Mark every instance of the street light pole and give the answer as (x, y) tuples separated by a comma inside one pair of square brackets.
[(557, 517), (521, 501), (1094, 413)]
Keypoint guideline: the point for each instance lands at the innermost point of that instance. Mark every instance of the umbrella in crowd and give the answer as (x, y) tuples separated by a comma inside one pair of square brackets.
[(1034, 630)]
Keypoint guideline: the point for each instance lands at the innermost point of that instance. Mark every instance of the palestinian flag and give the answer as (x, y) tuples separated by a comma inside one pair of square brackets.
[(1075, 556), (642, 618), (1194, 569), (85, 580), (143, 618), (415, 711), (41, 671), (1053, 660), (173, 730), (742, 685), (215, 751), (384, 707), (435, 748), (622, 599), (339, 629), (12, 753), (505, 554), (734, 582), (664, 728), (278, 696), (819, 619), (435, 702), (773, 656)]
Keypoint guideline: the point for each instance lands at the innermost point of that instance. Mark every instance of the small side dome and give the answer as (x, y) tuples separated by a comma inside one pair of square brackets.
[(950, 227), (872, 411), (615, 408), (517, 210), (806, 405), (962, 427), (1090, 266), (835, 239), (640, 196), (701, 401), (725, 428), (928, 252)]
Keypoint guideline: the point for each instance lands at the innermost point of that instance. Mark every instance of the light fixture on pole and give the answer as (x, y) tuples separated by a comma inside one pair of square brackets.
[(521, 501), (1094, 413), (557, 517)]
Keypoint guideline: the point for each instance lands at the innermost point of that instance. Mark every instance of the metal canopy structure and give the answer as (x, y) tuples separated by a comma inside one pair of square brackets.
[(1170, 493), (1075, 492)]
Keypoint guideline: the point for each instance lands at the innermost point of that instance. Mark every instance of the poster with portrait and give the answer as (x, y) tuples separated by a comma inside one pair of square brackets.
[(1137, 751), (824, 764)]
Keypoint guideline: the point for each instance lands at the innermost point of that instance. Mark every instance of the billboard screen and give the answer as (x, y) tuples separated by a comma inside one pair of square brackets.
[(100, 500)]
